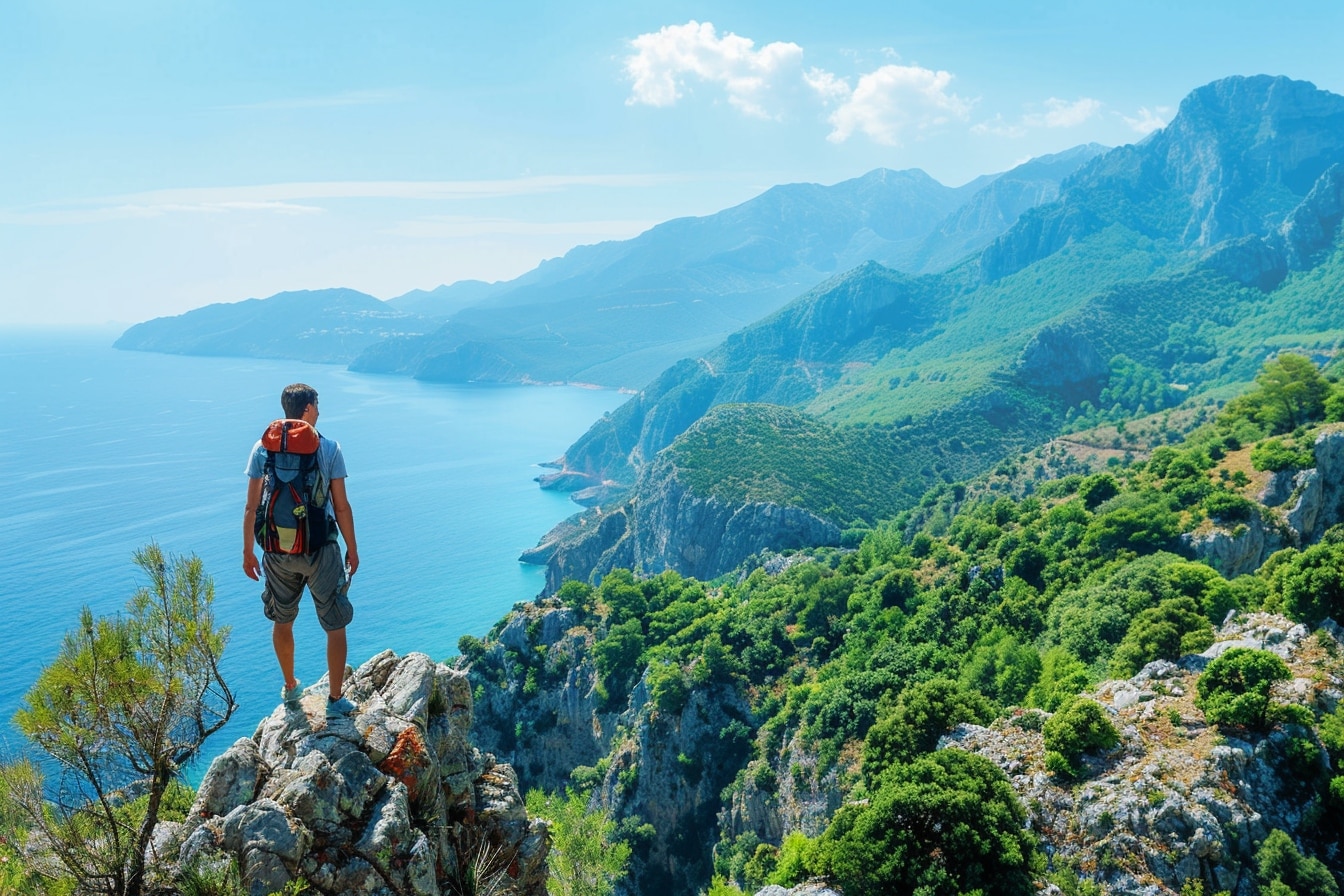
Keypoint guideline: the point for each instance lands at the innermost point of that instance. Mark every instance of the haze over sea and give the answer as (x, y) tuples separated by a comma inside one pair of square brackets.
[(103, 451)]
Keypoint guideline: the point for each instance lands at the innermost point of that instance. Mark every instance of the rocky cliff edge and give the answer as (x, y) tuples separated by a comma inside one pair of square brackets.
[(390, 799)]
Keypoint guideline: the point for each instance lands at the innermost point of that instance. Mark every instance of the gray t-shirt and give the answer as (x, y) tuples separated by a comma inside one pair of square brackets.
[(330, 465)]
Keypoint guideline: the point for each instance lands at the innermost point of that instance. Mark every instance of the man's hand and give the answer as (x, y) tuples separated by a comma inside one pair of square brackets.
[(251, 566), (351, 561)]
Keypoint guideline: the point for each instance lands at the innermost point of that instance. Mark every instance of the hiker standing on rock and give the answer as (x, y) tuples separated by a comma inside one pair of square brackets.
[(296, 503)]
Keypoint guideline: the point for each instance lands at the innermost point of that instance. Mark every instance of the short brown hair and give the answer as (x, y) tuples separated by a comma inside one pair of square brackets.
[(296, 398)]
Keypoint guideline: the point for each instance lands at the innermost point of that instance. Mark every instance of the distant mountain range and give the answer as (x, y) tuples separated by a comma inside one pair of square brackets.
[(323, 325), (616, 313), (1161, 272)]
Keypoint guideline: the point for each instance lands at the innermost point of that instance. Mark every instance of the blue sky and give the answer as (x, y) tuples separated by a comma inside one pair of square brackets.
[(159, 155)]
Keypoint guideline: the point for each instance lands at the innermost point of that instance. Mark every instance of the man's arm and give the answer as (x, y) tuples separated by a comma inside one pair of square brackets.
[(250, 564), (345, 521)]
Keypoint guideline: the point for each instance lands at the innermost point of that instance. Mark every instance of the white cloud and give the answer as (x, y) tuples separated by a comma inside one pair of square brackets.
[(1062, 113), (289, 198), (1053, 113), (1148, 120), (889, 102), (663, 61), (830, 87), (997, 127)]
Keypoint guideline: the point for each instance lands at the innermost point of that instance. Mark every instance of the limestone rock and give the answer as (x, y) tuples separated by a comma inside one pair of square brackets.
[(394, 799), (1305, 504), (1177, 799), (665, 525)]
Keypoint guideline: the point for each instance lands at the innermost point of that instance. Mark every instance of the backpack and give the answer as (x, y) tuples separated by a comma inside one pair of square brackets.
[(292, 516)]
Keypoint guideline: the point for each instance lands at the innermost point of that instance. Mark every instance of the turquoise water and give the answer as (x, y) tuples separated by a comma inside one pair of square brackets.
[(103, 451)]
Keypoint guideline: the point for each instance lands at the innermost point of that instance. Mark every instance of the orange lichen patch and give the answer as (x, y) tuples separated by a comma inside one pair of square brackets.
[(408, 761)]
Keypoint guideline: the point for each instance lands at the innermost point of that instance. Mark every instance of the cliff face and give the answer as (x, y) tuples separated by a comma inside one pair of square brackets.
[(1301, 506), (392, 799), (665, 525), (1238, 157), (666, 767)]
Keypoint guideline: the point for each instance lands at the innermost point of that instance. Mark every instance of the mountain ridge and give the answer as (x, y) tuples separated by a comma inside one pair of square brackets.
[(616, 313), (960, 368)]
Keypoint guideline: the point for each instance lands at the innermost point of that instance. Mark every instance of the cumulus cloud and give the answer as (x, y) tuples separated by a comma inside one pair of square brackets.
[(888, 103), (1148, 120), (1053, 113), (664, 61)]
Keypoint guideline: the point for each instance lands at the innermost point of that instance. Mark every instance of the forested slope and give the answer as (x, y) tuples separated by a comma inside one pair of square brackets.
[(1041, 668)]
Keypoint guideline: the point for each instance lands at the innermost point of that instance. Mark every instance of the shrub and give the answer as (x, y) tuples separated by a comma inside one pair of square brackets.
[(1311, 583), (1234, 689), (1165, 632), (1274, 455), (1079, 726), (471, 647), (127, 702), (586, 858), (1279, 861), (923, 714), (947, 824)]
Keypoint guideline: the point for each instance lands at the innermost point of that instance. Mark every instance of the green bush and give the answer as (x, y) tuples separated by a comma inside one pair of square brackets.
[(1234, 689), (1229, 507), (922, 715), (1275, 455), (1078, 727), (945, 825), (1311, 582), (1166, 632), (1279, 861)]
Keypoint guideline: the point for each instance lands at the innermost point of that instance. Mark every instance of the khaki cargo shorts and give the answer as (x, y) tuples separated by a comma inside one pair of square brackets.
[(323, 573)]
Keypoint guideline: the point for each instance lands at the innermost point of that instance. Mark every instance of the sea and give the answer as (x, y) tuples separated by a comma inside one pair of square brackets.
[(104, 451)]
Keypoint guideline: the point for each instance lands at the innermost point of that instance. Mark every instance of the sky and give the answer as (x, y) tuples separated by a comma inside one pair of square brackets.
[(161, 155)]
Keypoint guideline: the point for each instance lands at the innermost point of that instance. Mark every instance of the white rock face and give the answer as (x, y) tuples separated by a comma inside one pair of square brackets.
[(1305, 504), (392, 799), (1177, 799)]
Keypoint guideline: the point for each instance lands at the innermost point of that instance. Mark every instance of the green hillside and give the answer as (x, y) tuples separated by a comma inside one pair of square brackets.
[(1130, 294), (993, 603)]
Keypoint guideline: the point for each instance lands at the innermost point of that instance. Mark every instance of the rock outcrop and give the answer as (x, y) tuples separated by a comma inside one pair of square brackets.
[(1300, 506), (665, 766), (1177, 800), (665, 525), (390, 799)]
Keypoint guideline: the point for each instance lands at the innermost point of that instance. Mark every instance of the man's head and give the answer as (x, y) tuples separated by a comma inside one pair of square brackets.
[(296, 398)]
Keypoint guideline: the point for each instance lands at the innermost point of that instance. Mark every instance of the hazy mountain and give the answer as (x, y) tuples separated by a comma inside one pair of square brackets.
[(1187, 259), (445, 300), (615, 313), (995, 207), (323, 325)]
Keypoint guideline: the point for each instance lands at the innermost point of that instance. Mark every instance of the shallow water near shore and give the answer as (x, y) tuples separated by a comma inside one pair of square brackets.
[(103, 451)]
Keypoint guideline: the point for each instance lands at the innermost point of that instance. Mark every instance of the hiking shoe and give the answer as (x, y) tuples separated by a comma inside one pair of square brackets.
[(290, 696), (340, 707)]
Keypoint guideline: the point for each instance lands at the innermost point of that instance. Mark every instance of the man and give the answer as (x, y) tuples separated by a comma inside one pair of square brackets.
[(322, 571)]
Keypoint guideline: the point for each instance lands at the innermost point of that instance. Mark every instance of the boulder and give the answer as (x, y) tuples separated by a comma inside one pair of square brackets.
[(391, 799)]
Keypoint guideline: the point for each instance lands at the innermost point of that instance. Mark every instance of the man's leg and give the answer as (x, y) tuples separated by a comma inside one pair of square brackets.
[(282, 637), (335, 661)]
